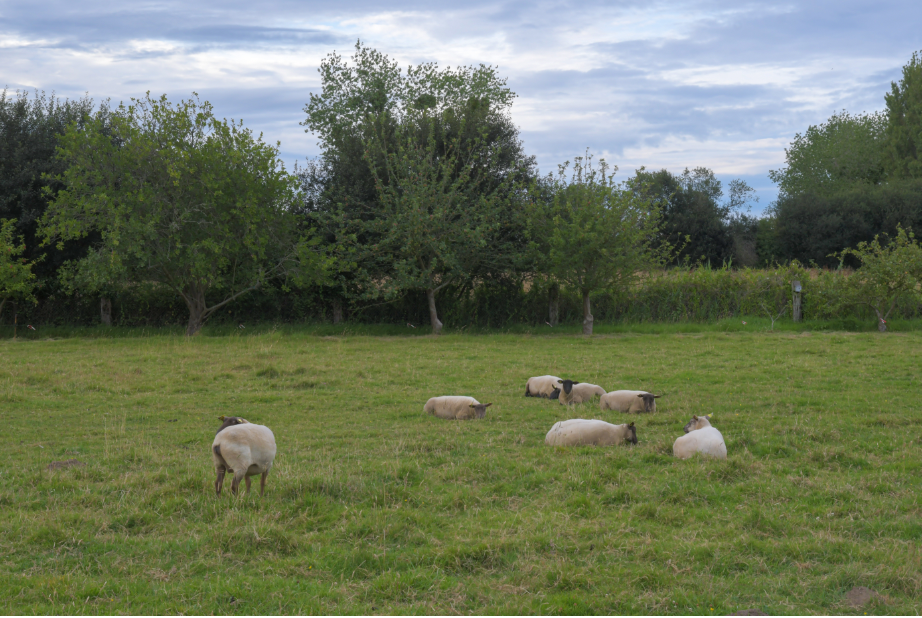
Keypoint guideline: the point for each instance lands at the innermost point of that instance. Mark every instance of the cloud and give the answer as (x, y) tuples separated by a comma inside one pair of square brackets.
[(662, 83)]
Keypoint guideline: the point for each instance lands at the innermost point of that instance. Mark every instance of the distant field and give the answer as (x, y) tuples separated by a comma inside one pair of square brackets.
[(374, 507)]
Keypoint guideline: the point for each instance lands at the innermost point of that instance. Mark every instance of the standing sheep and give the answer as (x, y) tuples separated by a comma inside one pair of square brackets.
[(700, 437), (577, 392), (453, 407), (582, 432), (242, 448), (629, 401), (542, 386)]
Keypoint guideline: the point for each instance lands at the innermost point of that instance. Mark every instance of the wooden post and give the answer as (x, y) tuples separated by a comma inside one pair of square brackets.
[(795, 286), (105, 310)]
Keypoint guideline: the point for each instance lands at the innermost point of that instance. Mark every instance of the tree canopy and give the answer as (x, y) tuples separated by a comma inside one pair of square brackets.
[(844, 152), (17, 281), (178, 198), (592, 233), (904, 122)]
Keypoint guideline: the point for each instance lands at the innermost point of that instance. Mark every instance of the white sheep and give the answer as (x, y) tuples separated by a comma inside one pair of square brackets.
[(582, 432), (577, 392), (243, 448), (629, 401), (542, 386), (454, 407), (700, 437)]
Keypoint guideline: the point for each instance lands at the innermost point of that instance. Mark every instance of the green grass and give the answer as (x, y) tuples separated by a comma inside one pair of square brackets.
[(374, 507)]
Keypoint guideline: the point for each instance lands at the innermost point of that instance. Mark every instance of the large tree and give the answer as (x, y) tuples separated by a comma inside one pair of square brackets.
[(696, 218), (372, 97), (842, 153), (904, 122), (178, 198), (440, 220), (30, 129), (594, 234)]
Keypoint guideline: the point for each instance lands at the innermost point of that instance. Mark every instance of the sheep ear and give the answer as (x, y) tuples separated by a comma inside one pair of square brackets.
[(640, 395), (657, 396), (576, 383), (487, 405), (695, 417), (221, 418), (470, 405), (559, 381), (632, 424), (708, 416)]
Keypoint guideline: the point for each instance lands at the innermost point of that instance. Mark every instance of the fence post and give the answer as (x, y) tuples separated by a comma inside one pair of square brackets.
[(795, 286), (553, 303)]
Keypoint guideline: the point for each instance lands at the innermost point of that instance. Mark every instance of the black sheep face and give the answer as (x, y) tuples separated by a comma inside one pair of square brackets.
[(649, 400), (567, 385), (480, 409), (632, 434), (230, 421)]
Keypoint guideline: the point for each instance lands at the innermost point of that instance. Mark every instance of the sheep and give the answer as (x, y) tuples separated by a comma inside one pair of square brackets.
[(243, 448), (577, 392), (581, 432), (629, 401), (542, 386), (700, 437), (460, 408)]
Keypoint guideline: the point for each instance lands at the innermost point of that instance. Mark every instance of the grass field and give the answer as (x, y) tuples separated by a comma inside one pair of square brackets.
[(374, 507)]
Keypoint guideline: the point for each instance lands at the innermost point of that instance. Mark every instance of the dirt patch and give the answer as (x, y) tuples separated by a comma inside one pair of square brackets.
[(859, 596)]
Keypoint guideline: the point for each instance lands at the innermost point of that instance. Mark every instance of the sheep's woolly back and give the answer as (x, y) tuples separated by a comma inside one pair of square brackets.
[(450, 406), (624, 401), (248, 448), (541, 386), (583, 432), (707, 441), (581, 393)]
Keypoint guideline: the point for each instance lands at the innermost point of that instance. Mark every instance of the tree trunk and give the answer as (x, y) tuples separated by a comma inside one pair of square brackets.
[(553, 304), (337, 311), (433, 315), (587, 315), (105, 310), (881, 322), (2, 302), (195, 300)]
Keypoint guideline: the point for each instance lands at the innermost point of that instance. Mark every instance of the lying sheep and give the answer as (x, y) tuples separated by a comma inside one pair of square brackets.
[(700, 437), (460, 408), (577, 392), (243, 448), (629, 401), (542, 386), (581, 432)]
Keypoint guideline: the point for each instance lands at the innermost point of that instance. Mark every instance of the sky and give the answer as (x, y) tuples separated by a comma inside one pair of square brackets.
[(673, 84)]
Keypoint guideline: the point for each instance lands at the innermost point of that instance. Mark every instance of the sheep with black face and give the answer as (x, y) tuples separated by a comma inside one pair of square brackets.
[(453, 407), (577, 392), (629, 401), (243, 448), (542, 386), (583, 432)]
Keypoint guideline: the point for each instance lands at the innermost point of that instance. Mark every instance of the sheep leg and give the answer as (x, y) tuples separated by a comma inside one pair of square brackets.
[(219, 481), (247, 479), (262, 483), (236, 484)]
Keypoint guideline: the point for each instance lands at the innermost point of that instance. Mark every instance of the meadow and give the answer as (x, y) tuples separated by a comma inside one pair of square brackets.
[(374, 507)]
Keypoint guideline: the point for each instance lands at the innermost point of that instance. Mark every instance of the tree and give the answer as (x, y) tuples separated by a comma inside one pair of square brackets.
[(693, 207), (594, 234), (844, 152), (30, 128), (904, 122), (181, 199), (440, 221), (888, 272), (17, 281)]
